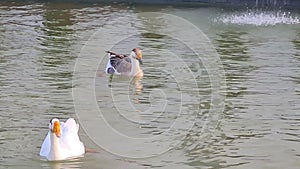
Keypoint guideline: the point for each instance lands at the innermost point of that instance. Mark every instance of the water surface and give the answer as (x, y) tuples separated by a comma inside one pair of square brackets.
[(259, 127)]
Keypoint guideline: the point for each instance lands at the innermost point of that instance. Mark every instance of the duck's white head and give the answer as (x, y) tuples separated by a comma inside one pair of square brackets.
[(137, 54), (54, 127)]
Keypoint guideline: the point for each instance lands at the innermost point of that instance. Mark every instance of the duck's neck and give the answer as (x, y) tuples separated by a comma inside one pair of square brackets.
[(54, 153), (135, 67)]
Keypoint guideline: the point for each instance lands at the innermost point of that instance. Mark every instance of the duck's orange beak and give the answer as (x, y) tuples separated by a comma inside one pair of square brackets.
[(139, 55), (56, 128)]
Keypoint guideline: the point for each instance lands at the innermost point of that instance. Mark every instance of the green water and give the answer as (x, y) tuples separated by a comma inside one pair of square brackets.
[(260, 124)]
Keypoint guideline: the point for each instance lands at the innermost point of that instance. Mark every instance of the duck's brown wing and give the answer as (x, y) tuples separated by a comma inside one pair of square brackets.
[(121, 65)]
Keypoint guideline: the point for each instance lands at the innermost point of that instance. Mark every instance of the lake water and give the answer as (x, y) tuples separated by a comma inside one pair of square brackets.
[(230, 102)]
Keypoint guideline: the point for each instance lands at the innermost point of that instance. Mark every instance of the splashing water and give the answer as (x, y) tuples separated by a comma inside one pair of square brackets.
[(259, 18)]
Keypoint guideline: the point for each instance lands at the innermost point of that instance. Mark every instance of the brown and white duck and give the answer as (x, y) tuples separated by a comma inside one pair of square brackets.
[(125, 65)]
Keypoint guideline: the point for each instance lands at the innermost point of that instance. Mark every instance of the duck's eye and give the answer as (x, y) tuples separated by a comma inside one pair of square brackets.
[(52, 120)]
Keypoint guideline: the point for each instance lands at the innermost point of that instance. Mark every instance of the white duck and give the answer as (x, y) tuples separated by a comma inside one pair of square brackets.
[(62, 141), (125, 65)]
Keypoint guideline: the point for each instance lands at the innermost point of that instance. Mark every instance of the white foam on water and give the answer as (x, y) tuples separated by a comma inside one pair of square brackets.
[(259, 18)]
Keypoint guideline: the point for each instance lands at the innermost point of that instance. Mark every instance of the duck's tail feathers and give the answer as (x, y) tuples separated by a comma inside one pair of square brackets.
[(111, 53), (110, 70)]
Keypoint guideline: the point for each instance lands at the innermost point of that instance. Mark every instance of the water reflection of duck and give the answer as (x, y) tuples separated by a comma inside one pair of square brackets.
[(137, 89), (62, 141), (134, 85), (125, 65)]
